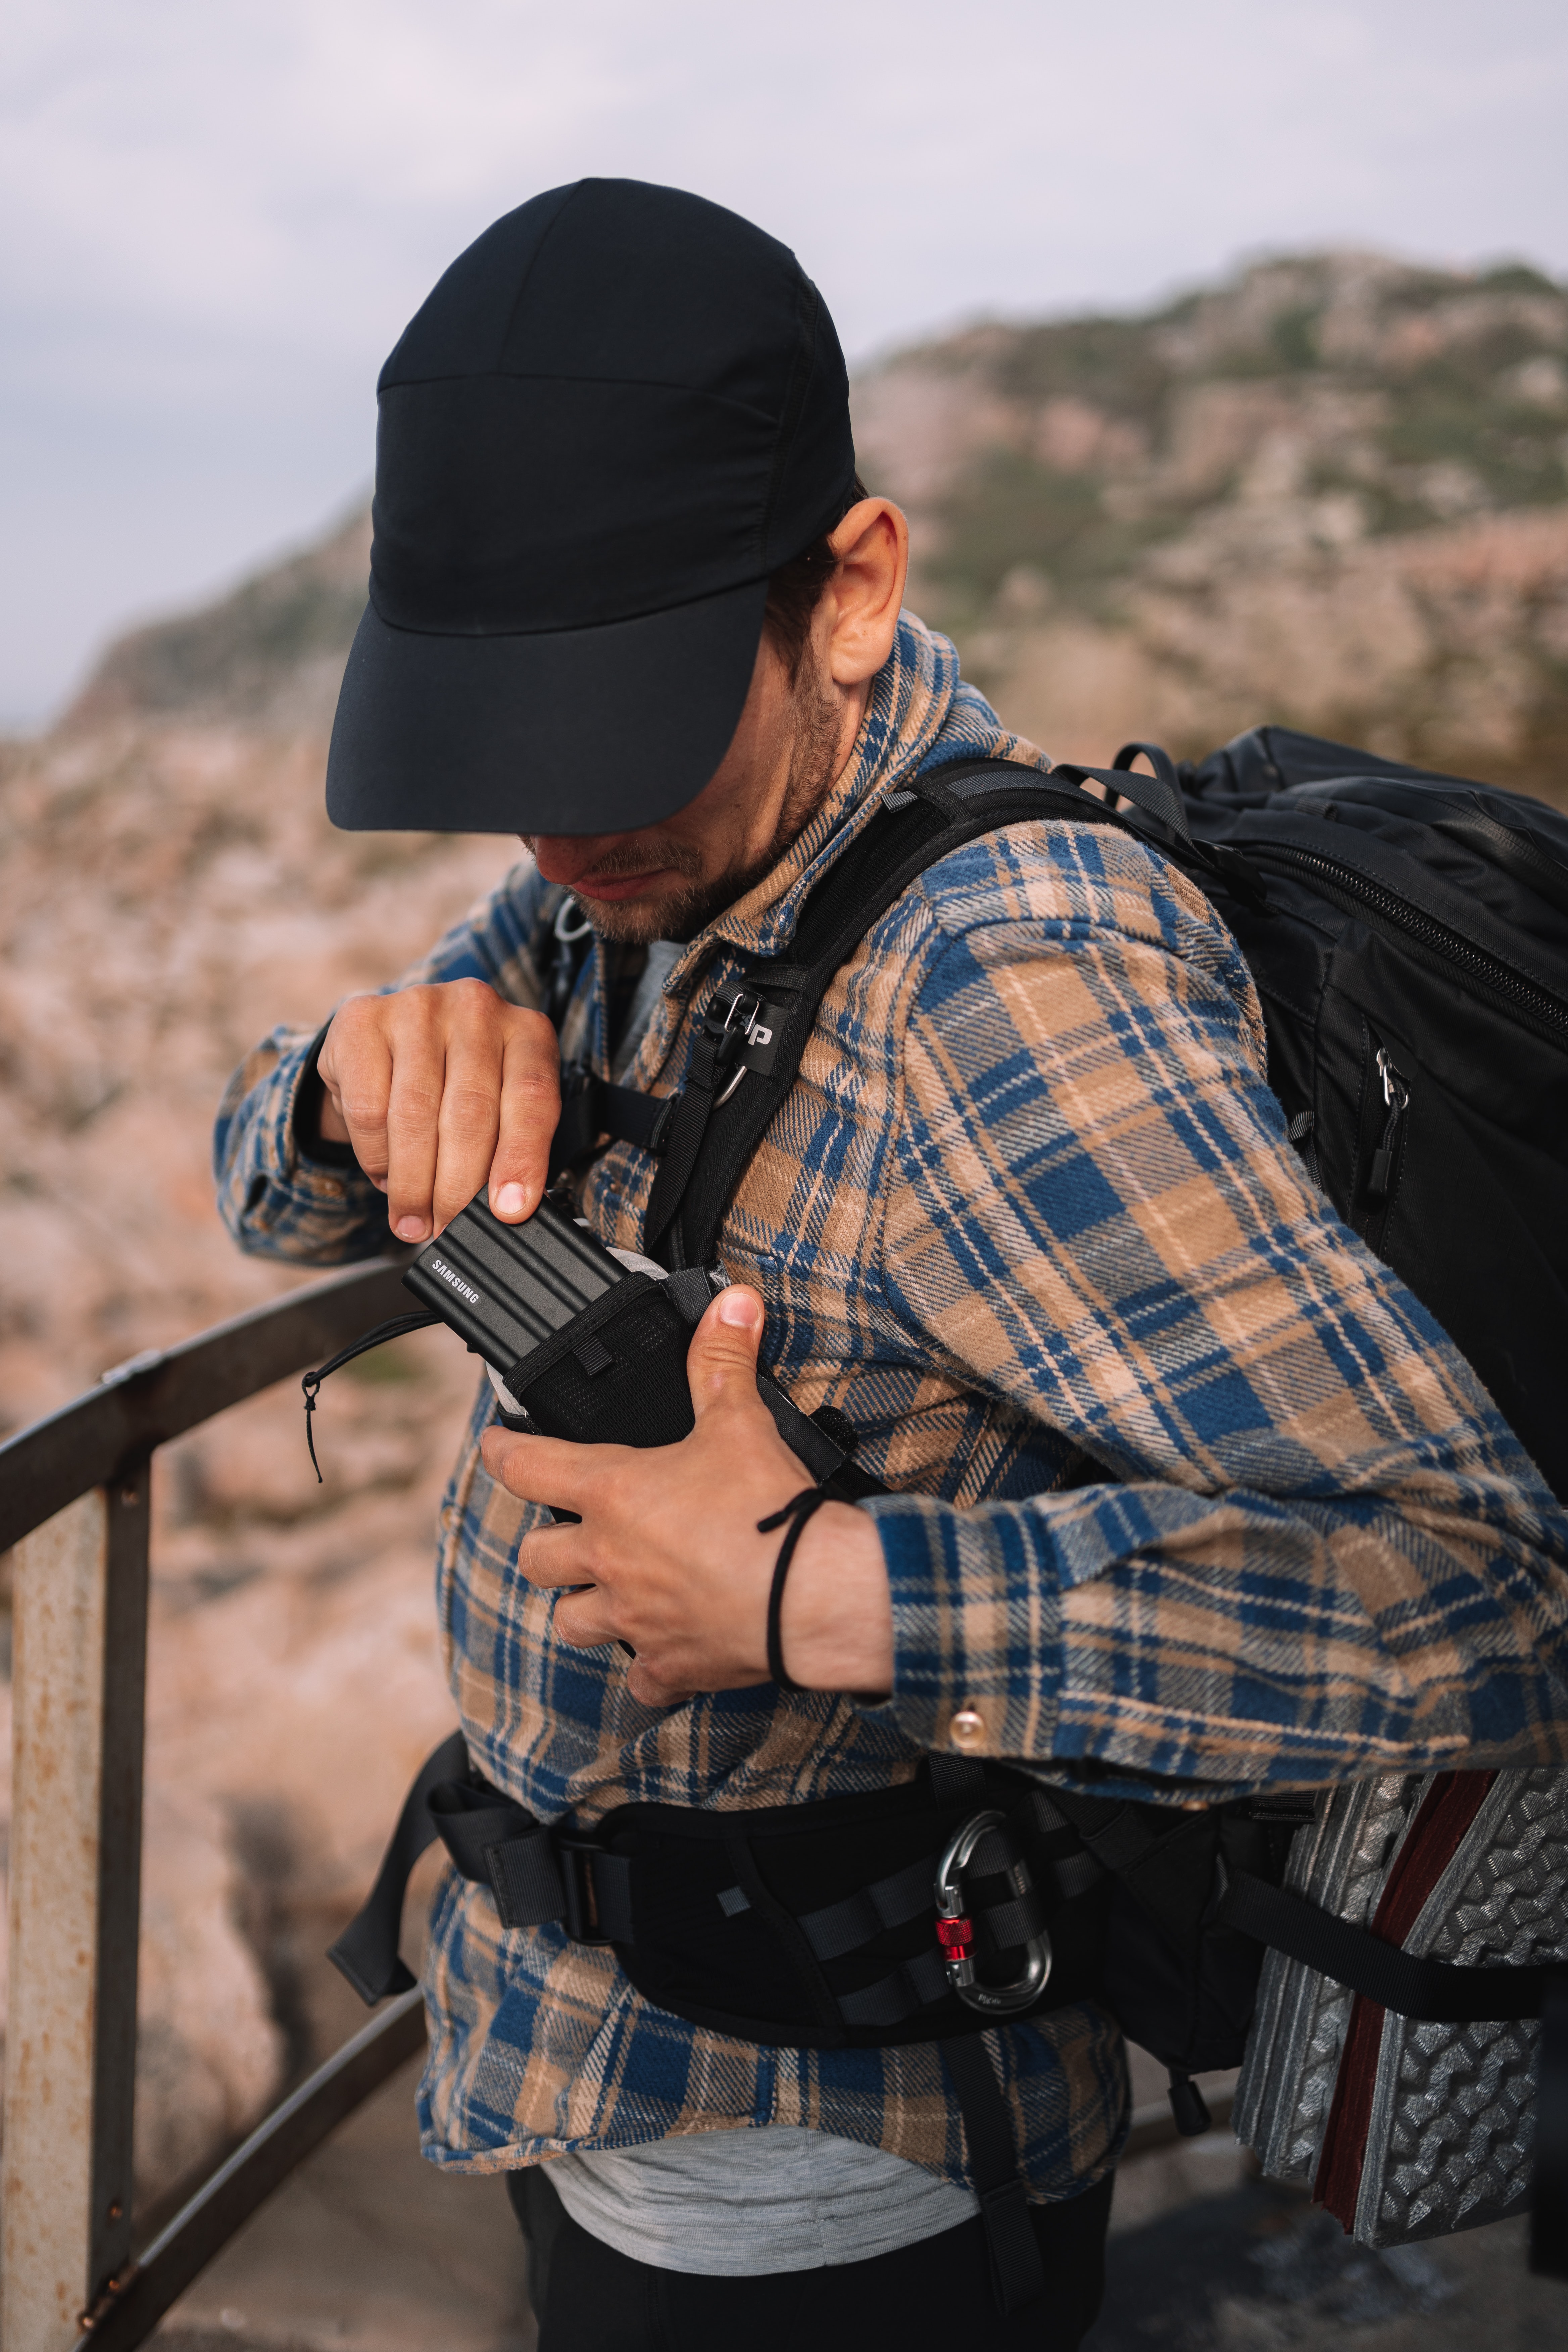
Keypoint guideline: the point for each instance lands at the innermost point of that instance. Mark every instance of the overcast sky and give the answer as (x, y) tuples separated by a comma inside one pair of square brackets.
[(219, 213)]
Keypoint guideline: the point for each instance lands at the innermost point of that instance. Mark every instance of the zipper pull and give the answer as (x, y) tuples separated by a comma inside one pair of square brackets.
[(1396, 1095)]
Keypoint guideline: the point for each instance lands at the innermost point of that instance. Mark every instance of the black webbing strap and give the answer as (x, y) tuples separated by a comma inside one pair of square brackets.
[(711, 1146), (498, 1841), (591, 1108), (915, 1984), (861, 1917), (840, 1929), (719, 1036), (1016, 2277), (1548, 2216), (1160, 797), (366, 1951), (536, 1873), (1435, 1991), (1117, 1835)]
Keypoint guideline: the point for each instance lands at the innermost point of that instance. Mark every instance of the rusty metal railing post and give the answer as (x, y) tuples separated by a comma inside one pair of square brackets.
[(79, 1668), (74, 1503)]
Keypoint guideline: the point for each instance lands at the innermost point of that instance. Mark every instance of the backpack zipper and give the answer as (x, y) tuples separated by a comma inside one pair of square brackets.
[(1397, 1095), (1344, 882)]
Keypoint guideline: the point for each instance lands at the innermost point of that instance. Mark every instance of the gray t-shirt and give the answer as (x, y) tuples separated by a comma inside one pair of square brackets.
[(734, 2204)]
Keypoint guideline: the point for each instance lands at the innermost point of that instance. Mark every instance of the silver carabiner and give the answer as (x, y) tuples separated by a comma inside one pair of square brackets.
[(956, 1929)]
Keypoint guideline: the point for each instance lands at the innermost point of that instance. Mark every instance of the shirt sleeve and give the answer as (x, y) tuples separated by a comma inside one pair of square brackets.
[(278, 1202), (1324, 1554)]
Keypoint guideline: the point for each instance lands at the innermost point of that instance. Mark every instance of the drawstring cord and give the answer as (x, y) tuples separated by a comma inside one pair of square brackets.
[(312, 1383)]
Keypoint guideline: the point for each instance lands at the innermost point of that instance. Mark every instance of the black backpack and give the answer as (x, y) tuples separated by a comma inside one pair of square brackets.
[(1410, 947), (1408, 935)]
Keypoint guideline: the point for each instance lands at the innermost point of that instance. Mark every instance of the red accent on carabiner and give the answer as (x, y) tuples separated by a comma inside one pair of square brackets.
[(958, 1933)]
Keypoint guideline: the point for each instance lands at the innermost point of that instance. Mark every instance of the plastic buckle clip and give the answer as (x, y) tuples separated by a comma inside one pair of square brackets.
[(742, 1015), (955, 1931), (575, 1855)]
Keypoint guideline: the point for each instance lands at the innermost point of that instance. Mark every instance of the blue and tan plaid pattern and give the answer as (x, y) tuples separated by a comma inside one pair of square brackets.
[(1029, 1210)]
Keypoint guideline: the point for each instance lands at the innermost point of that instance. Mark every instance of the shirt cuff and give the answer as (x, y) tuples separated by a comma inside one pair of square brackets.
[(976, 1626), (310, 1144)]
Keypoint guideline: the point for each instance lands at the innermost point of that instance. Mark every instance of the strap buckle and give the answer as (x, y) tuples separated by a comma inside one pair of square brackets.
[(956, 1929), (732, 1035), (581, 1916), (740, 1014)]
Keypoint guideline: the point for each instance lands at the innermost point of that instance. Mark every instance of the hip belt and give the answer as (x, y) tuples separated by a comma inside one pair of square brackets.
[(908, 1914), (817, 1927)]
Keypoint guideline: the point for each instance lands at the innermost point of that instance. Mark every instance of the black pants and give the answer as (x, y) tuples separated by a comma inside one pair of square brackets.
[(589, 2298)]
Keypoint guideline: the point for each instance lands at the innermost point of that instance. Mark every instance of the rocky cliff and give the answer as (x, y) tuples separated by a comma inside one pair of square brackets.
[(1332, 492), (168, 889)]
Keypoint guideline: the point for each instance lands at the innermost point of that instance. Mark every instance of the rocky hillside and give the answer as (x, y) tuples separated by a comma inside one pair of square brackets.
[(1331, 492), (168, 890), (270, 656)]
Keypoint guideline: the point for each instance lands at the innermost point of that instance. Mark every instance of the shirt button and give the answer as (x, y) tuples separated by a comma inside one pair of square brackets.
[(967, 1728)]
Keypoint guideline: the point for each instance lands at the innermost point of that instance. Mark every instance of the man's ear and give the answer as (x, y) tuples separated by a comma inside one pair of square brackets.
[(861, 606)]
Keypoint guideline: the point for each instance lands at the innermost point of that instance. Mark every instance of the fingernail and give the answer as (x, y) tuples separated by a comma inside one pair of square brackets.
[(511, 1201), (409, 1229), (737, 1307)]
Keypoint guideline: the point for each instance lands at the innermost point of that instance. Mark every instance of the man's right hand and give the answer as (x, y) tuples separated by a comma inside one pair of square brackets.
[(440, 1090)]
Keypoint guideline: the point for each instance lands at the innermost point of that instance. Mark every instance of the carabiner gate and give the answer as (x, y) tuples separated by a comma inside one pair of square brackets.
[(956, 1929)]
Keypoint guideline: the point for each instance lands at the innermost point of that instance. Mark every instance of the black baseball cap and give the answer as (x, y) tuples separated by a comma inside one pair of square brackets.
[(618, 412)]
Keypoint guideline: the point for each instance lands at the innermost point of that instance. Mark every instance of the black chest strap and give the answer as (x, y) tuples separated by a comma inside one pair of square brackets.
[(753, 1029)]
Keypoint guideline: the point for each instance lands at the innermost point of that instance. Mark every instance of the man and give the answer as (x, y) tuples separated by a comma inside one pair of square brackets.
[(1190, 1495)]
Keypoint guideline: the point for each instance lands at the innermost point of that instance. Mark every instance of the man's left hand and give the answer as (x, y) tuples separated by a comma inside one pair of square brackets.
[(668, 1554)]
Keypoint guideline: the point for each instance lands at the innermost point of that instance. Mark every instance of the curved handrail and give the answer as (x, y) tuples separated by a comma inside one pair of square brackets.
[(204, 2224), (101, 1440), (165, 1392)]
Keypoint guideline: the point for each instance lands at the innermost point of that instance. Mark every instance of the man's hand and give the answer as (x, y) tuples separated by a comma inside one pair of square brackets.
[(440, 1090), (668, 1547)]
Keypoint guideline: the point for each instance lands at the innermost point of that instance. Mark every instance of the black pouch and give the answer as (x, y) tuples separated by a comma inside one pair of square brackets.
[(615, 1374), (588, 1348)]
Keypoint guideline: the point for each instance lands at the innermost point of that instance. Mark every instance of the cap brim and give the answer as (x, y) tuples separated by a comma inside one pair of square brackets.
[(586, 730)]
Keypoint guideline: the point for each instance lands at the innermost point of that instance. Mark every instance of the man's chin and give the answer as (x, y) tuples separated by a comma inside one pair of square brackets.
[(635, 921)]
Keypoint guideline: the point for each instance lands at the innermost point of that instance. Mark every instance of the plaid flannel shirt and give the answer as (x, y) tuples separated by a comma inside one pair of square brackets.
[(1030, 1201)]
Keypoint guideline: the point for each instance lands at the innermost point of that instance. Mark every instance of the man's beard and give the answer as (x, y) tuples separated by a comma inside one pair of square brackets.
[(682, 914)]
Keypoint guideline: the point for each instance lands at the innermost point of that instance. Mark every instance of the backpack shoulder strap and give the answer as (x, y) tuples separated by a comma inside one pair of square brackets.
[(752, 1030)]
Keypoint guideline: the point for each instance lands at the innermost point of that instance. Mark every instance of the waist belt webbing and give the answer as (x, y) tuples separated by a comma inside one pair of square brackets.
[(1434, 1991), (534, 1876), (541, 1876)]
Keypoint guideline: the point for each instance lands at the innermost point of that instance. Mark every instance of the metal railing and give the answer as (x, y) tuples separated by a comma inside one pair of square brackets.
[(74, 1501)]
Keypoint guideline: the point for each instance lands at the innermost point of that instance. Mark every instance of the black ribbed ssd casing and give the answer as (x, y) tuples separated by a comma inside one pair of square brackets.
[(504, 1288)]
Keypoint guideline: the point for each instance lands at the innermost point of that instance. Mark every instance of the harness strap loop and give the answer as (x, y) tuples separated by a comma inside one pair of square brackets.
[(720, 1035), (1016, 2277), (366, 1951), (591, 1106), (1436, 1991), (1548, 2216)]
